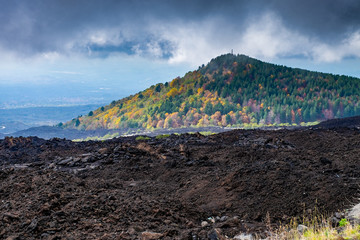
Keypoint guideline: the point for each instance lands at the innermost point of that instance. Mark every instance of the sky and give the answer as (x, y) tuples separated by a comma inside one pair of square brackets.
[(67, 52)]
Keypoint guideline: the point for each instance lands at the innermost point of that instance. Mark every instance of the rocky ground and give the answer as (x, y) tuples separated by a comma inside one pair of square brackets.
[(179, 187)]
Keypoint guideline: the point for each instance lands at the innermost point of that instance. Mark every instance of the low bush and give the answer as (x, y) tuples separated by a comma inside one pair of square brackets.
[(162, 136), (140, 138)]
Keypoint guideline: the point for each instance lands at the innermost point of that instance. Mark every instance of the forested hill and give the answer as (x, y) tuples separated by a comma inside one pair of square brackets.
[(232, 90)]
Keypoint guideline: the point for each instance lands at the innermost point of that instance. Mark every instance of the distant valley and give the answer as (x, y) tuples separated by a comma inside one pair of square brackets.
[(17, 119)]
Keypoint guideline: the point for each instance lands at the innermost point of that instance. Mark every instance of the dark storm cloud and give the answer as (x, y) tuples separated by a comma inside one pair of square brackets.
[(31, 27), (328, 20)]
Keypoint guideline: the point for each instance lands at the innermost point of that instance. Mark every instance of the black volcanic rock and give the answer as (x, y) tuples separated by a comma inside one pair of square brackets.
[(350, 122), (169, 186)]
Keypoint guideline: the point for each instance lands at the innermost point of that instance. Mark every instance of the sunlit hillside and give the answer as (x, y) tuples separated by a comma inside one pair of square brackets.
[(232, 90)]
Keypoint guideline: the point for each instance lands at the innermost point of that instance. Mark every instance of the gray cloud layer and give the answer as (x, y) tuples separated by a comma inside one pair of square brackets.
[(182, 30)]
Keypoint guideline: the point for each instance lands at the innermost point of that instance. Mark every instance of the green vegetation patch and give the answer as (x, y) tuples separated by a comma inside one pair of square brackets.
[(142, 138), (317, 228), (207, 133), (97, 138), (162, 136)]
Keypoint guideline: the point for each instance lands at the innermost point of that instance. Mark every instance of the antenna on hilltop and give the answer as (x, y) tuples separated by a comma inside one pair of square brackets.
[(232, 51)]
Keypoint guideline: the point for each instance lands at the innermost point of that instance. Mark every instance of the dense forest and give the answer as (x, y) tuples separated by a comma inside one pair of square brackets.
[(232, 90)]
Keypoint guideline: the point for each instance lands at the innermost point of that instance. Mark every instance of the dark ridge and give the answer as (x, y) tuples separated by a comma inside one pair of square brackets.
[(350, 122)]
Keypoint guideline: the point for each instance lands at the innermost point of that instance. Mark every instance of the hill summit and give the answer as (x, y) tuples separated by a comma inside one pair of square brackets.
[(232, 90)]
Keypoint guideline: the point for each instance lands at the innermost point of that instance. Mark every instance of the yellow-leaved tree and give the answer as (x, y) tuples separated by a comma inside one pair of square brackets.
[(172, 93)]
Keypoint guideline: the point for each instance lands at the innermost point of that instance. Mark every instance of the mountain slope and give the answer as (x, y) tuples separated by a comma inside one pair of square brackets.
[(233, 90)]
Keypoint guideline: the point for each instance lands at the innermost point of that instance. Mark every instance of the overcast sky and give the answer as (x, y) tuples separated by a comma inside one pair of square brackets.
[(107, 49)]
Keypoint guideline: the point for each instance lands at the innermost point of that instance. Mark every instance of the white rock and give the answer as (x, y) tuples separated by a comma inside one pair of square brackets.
[(244, 236), (355, 212), (224, 218), (204, 223), (301, 228)]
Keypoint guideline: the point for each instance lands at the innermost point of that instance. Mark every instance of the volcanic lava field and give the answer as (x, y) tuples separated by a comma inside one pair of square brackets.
[(186, 186)]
